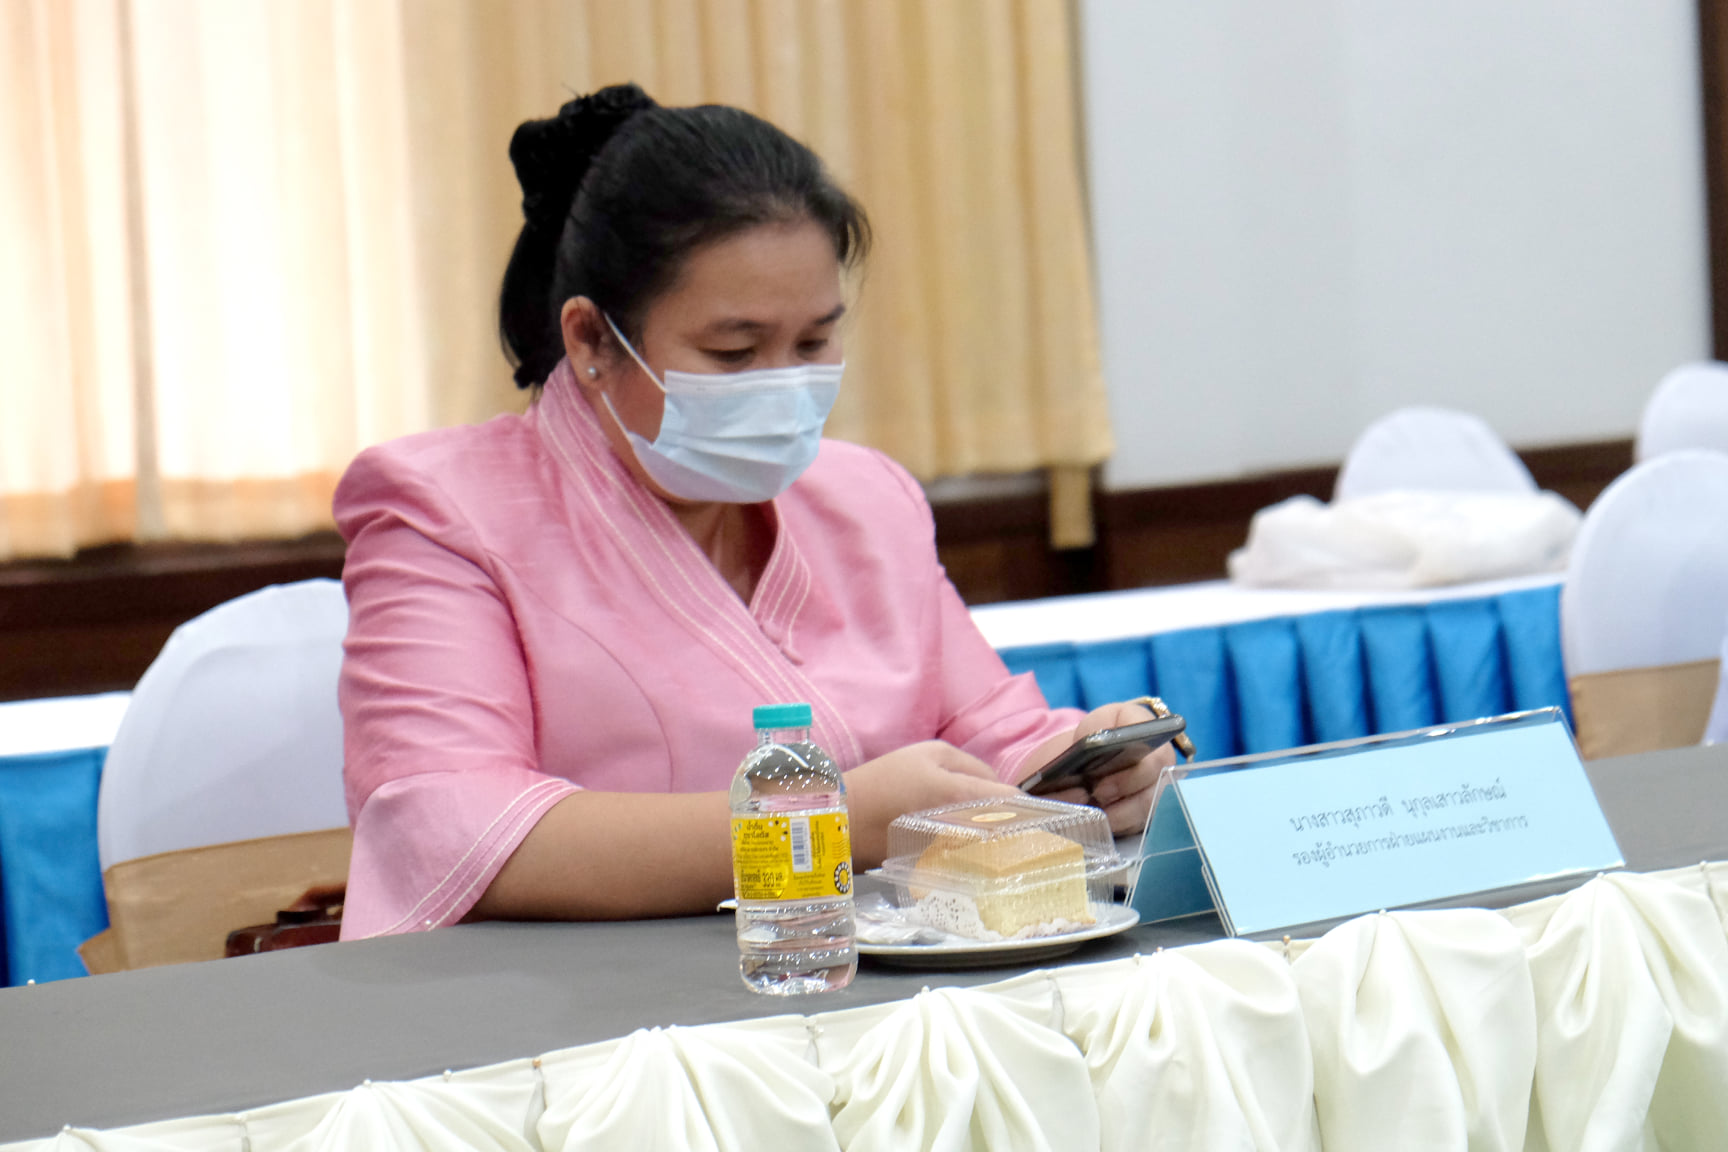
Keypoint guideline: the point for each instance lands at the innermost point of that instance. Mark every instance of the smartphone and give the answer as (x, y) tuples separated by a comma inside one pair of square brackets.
[(1091, 758)]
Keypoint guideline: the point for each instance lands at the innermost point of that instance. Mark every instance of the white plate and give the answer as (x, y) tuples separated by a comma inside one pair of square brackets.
[(1112, 918)]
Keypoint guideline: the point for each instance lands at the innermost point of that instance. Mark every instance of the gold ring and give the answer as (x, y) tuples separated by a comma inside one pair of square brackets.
[(1158, 708)]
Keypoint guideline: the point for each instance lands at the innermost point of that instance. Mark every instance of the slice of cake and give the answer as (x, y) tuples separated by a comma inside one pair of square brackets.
[(1009, 885)]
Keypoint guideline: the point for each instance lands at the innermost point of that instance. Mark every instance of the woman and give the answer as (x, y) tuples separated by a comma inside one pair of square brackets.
[(561, 620)]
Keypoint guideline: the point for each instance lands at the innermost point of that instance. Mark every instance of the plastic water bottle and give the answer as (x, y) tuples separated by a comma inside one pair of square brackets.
[(791, 861)]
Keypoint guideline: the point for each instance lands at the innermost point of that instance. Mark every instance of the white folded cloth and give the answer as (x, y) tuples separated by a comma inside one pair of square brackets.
[(1406, 539), (422, 1116), (956, 1070), (1423, 1027), (1592, 1020), (734, 1088), (1196, 1048), (1632, 1006)]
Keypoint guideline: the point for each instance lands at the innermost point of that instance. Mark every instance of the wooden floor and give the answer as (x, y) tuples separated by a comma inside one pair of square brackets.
[(94, 623)]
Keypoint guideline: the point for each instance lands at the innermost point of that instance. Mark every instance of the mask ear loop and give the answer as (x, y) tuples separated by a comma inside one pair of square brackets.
[(634, 355), (606, 395)]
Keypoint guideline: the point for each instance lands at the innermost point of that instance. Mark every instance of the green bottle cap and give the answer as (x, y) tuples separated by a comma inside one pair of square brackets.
[(782, 716)]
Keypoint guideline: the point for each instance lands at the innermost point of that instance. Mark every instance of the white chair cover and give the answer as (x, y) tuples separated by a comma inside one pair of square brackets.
[(233, 733), (1435, 449), (1689, 409), (1648, 581)]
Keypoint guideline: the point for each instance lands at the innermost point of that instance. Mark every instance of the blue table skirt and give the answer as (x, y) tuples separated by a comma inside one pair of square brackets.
[(1249, 687), (50, 874), (1267, 684)]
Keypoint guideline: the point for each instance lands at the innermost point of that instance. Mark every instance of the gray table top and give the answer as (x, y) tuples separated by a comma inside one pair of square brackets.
[(111, 1051)]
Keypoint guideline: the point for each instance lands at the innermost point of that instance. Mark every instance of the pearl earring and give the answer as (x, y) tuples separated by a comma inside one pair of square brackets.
[(592, 371)]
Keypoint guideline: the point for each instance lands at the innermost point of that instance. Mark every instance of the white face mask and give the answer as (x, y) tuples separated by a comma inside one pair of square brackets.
[(734, 437)]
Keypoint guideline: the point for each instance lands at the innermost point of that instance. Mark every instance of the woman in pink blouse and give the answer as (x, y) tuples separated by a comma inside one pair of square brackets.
[(562, 620)]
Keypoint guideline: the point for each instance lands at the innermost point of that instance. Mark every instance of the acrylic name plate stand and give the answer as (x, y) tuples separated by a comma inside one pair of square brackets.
[(1308, 835)]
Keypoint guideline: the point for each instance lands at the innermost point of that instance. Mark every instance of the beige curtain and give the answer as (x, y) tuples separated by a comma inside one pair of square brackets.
[(67, 434), (218, 301), (257, 235)]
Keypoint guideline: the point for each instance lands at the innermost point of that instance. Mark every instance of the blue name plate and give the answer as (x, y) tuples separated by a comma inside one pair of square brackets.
[(1171, 881), (1329, 831)]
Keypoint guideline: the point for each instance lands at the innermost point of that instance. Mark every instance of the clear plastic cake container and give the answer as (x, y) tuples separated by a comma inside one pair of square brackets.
[(1001, 869)]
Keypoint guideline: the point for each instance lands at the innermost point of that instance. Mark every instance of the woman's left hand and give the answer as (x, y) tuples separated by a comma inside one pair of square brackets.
[(1125, 796)]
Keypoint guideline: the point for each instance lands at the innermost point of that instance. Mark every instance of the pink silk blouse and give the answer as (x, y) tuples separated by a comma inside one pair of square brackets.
[(527, 620)]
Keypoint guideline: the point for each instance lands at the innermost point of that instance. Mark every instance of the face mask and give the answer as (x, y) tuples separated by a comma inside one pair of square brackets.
[(734, 437)]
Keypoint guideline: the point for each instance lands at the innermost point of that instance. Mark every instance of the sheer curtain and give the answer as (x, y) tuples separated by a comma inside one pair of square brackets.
[(253, 236), (67, 433), (218, 297)]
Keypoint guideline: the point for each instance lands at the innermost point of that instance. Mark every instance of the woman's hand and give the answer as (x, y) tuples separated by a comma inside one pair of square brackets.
[(911, 779), (1125, 796)]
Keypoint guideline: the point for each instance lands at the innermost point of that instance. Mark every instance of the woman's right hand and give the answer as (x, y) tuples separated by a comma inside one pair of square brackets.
[(910, 779)]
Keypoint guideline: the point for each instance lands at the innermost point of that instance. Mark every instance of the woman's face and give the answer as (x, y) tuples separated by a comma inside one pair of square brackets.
[(768, 297)]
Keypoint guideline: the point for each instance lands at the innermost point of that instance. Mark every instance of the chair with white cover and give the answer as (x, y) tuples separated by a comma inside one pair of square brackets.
[(222, 797), (1430, 449), (1643, 607), (1689, 409)]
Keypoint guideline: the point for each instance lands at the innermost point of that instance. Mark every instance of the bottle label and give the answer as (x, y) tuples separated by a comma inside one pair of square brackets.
[(791, 857)]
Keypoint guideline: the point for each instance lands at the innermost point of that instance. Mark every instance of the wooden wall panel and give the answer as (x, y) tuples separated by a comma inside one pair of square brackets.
[(1713, 74), (94, 623), (996, 550)]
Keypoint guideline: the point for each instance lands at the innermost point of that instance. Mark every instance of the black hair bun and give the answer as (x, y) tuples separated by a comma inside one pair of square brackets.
[(551, 156)]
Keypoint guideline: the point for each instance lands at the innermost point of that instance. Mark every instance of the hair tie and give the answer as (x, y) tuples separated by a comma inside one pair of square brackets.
[(552, 156)]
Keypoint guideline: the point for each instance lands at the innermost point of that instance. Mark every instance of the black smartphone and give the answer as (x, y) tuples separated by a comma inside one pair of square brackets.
[(1091, 758)]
